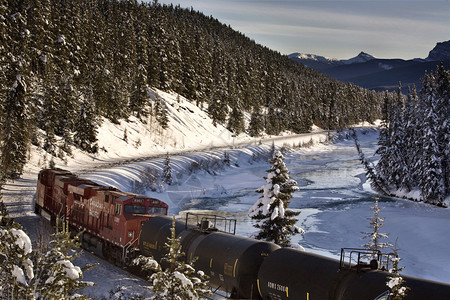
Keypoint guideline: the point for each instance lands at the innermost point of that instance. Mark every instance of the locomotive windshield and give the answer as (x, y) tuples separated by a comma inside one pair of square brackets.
[(157, 210), (140, 209), (135, 209)]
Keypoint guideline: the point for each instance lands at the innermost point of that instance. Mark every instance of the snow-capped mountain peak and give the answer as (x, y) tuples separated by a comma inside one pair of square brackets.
[(362, 57), (318, 58)]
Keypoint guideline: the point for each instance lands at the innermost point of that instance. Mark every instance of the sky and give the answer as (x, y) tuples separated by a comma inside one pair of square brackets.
[(335, 28)]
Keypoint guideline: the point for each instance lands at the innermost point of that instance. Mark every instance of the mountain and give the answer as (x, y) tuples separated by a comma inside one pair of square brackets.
[(362, 57), (375, 73), (440, 52), (320, 63)]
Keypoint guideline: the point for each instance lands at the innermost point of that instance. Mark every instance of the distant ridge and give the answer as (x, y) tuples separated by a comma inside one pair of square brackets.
[(320, 63), (374, 73)]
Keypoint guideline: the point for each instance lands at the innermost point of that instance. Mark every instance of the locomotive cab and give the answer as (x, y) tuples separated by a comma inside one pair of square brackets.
[(110, 220), (141, 205)]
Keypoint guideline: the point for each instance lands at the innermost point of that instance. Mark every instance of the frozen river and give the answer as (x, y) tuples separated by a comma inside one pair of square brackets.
[(334, 199), (335, 202)]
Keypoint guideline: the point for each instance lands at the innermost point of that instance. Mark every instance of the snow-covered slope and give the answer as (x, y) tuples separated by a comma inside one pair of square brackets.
[(189, 128)]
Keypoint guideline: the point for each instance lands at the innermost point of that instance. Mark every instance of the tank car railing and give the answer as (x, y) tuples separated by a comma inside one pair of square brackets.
[(356, 257), (211, 222), (363, 258)]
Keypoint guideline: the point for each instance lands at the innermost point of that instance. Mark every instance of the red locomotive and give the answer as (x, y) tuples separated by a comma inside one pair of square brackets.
[(111, 220)]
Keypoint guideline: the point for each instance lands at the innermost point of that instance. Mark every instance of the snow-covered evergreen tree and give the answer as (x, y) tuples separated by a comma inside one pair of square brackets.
[(384, 142), (56, 276), (28, 273), (16, 267), (414, 141), (226, 158), (161, 113), (167, 171), (377, 183), (15, 129), (396, 153), (433, 165), (274, 220), (179, 281), (256, 126), (85, 136), (4, 218), (236, 122), (411, 136), (396, 283), (374, 236)]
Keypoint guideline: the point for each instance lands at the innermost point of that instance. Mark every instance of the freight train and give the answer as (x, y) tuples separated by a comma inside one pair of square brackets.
[(118, 226), (253, 269), (110, 220)]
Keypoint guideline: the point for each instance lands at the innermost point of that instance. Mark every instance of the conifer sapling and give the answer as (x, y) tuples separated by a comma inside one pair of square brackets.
[(275, 222)]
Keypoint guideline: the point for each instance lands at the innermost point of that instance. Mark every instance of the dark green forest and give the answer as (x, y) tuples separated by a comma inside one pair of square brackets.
[(67, 65)]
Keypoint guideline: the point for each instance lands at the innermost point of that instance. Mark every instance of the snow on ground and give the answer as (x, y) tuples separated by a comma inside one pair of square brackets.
[(334, 197)]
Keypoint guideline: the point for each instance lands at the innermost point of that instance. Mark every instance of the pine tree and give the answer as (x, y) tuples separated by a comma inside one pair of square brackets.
[(236, 119), (226, 158), (167, 171), (15, 132), (414, 140), (161, 113), (396, 153), (384, 142), (179, 281), (56, 276), (273, 218), (4, 219), (375, 236), (395, 282), (434, 169), (15, 263), (272, 122), (256, 126), (125, 135), (443, 131), (16, 266), (28, 273), (85, 131), (376, 182), (410, 139)]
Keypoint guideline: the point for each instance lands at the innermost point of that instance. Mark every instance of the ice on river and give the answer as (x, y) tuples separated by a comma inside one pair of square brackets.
[(334, 200)]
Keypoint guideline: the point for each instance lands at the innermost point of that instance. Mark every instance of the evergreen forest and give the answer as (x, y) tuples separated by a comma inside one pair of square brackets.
[(65, 66), (414, 141)]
